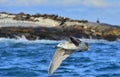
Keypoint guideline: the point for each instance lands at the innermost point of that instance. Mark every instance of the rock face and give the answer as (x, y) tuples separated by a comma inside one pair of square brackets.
[(54, 27)]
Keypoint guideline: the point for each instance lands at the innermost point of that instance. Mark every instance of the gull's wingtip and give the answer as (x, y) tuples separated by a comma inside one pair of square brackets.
[(71, 37), (75, 40), (50, 70), (49, 73)]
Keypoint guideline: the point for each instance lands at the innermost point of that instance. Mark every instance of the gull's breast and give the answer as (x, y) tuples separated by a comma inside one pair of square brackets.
[(69, 45)]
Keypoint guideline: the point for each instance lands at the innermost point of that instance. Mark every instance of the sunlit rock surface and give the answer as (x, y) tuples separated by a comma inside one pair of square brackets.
[(43, 26)]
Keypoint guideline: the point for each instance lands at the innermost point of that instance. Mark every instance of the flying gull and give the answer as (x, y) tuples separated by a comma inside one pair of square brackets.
[(64, 50)]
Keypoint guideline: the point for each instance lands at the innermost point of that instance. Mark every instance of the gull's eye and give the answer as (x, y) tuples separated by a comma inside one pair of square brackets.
[(60, 43)]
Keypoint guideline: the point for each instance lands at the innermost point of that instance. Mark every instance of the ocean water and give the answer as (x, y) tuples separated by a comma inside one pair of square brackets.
[(23, 58)]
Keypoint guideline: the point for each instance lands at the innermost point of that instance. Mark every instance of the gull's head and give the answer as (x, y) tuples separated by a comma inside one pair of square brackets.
[(67, 45), (61, 45)]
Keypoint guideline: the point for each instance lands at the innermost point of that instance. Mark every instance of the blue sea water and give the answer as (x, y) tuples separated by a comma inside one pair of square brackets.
[(23, 58)]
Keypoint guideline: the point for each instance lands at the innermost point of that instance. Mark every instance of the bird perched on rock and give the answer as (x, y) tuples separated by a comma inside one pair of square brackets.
[(64, 50)]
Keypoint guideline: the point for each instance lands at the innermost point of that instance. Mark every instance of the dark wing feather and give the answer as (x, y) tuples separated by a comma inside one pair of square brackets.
[(57, 59), (75, 40)]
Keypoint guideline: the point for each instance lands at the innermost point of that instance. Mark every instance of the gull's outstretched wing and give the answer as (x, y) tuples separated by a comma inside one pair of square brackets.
[(75, 40), (57, 59)]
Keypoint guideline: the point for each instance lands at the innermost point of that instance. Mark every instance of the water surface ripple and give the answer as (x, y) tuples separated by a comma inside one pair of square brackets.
[(23, 58)]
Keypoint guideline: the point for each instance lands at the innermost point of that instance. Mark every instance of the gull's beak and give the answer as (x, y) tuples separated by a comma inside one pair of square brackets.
[(55, 46)]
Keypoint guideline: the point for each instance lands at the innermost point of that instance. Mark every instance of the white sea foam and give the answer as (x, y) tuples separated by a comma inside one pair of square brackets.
[(23, 39), (99, 41)]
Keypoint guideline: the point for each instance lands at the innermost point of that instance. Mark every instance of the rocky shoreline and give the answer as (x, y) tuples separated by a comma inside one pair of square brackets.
[(54, 27)]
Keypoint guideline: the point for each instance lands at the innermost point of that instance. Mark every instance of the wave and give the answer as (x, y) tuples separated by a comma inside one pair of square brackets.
[(99, 41), (23, 39)]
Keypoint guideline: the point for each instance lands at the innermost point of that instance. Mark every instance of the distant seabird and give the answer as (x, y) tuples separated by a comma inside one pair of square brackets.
[(64, 50)]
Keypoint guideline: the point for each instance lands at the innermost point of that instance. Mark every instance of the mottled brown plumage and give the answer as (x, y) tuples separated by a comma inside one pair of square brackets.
[(64, 50), (57, 59)]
